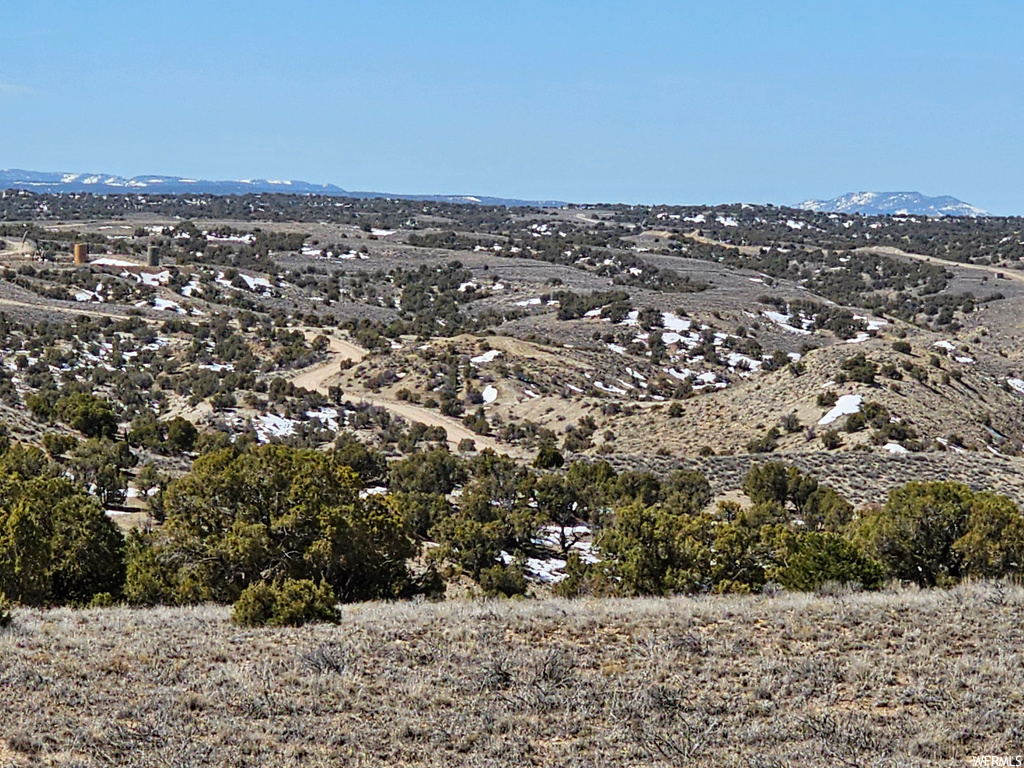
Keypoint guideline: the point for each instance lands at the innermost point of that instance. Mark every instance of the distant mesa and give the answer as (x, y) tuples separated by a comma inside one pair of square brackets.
[(893, 204), (107, 184)]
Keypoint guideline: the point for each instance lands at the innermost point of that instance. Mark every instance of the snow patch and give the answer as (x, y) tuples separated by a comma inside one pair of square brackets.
[(486, 357), (845, 406)]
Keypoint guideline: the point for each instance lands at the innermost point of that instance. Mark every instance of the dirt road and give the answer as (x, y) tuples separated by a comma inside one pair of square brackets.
[(697, 237), (318, 378), (16, 248), (1002, 273)]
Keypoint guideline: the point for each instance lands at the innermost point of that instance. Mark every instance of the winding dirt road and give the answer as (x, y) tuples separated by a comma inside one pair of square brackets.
[(318, 377)]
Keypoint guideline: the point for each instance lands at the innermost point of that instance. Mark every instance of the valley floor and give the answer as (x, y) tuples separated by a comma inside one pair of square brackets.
[(894, 678)]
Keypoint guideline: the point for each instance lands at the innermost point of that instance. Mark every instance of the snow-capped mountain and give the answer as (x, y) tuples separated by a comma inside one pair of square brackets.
[(894, 203), (106, 184)]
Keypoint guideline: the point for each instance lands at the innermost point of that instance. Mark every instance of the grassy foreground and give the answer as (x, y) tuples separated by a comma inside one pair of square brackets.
[(900, 678)]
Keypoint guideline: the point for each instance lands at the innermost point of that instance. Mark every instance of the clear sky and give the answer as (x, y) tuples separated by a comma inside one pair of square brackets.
[(644, 101)]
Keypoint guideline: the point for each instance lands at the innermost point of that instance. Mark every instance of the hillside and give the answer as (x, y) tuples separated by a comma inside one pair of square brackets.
[(869, 352), (657, 327), (854, 679)]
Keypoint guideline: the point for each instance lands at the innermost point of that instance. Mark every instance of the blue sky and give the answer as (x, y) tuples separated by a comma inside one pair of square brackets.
[(673, 102)]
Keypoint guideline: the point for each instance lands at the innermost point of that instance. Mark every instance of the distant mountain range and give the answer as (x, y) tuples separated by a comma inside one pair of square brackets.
[(893, 203), (105, 184), (866, 203)]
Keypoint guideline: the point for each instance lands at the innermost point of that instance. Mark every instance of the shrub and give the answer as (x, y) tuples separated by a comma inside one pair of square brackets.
[(812, 559), (6, 615), (290, 603), (766, 444), (827, 399), (548, 457), (507, 580), (993, 545), (766, 483), (830, 439), (859, 368), (275, 512), (101, 600), (56, 544), (790, 422), (149, 580), (855, 422), (57, 444), (90, 415), (181, 434), (903, 347), (913, 536)]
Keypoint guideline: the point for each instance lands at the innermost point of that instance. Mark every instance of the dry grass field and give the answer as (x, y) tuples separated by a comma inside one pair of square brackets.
[(901, 678)]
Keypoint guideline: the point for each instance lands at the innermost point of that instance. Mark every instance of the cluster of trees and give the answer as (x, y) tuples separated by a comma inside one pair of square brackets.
[(800, 535), (56, 543), (265, 515), (979, 240), (910, 290), (986, 239), (285, 533)]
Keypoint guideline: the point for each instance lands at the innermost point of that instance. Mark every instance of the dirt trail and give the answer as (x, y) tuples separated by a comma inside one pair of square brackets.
[(318, 377), (17, 248), (1002, 273), (697, 237)]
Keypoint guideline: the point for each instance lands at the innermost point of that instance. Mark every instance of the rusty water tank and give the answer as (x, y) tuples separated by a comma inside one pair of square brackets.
[(81, 254), (153, 256)]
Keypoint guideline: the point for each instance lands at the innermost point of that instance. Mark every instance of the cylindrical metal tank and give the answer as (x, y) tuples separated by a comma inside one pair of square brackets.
[(153, 256), (81, 253)]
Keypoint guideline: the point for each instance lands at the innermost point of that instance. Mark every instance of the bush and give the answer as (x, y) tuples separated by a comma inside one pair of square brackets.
[(507, 580), (859, 368), (6, 615), (830, 439), (855, 422), (903, 347), (790, 422), (548, 457), (90, 415), (57, 444), (290, 603), (766, 483), (56, 544), (765, 444), (181, 434), (913, 536), (275, 512), (813, 559)]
